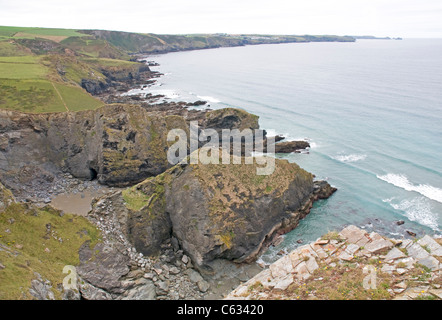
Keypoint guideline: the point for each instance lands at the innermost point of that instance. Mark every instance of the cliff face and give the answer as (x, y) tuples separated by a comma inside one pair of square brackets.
[(120, 145), (213, 211)]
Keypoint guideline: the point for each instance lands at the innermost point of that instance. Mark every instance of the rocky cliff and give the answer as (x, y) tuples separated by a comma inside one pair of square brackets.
[(119, 145), (212, 211)]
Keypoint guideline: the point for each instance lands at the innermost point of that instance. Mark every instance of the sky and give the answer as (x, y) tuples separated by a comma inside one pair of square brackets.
[(394, 18)]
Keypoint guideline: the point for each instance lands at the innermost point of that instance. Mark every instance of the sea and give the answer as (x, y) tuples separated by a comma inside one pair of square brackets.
[(371, 111)]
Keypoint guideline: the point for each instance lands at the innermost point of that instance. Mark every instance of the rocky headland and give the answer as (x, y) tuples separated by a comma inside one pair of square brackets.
[(165, 232)]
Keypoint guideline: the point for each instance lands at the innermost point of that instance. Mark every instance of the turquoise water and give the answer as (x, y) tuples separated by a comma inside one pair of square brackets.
[(372, 111)]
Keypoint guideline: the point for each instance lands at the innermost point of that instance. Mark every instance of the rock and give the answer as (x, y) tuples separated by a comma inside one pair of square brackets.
[(41, 289), (411, 233), (2, 266), (301, 271), (174, 270), (378, 246), (284, 283), (162, 288), (103, 266), (352, 234), (352, 248), (185, 259), (281, 267), (345, 256), (434, 247), (89, 292), (203, 285), (430, 262), (436, 292), (323, 190), (291, 146), (394, 254), (417, 252), (311, 265)]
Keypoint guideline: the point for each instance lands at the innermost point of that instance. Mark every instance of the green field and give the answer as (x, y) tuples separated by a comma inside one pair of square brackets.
[(77, 99), (32, 33), (40, 96), (22, 67)]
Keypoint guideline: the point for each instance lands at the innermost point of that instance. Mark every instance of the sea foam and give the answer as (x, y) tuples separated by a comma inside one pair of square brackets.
[(416, 209), (350, 157), (401, 181), (209, 98)]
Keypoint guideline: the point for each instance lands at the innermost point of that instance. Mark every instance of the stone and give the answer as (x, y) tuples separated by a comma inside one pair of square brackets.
[(281, 267), (352, 234), (430, 262), (149, 275), (301, 271), (406, 243), (375, 236), (434, 247), (345, 256), (203, 285), (436, 292), (401, 285), (284, 283), (162, 288), (409, 262), (386, 268), (417, 252), (174, 270), (40, 289), (185, 259), (311, 265), (103, 266), (401, 270), (411, 233), (394, 254), (378, 245), (89, 292), (352, 248)]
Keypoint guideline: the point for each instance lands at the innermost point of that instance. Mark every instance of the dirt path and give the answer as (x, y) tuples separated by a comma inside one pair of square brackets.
[(61, 98)]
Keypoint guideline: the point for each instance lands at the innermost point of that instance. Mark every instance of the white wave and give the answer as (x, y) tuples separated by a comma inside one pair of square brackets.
[(209, 98), (417, 209), (402, 181), (350, 157)]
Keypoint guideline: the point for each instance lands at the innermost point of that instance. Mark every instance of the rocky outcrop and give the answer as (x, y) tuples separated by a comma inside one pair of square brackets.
[(119, 145), (352, 264), (232, 218)]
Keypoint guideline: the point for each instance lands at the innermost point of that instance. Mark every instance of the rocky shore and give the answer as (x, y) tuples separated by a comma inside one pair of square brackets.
[(352, 264)]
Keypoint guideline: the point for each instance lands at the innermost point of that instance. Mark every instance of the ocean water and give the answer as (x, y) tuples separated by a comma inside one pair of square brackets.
[(371, 110)]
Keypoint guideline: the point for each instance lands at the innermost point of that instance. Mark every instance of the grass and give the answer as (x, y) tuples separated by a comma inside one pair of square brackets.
[(77, 99), (39, 96), (33, 96), (8, 48), (54, 34), (27, 247)]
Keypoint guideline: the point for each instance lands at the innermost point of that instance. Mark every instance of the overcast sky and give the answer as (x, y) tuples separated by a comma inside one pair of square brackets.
[(404, 18)]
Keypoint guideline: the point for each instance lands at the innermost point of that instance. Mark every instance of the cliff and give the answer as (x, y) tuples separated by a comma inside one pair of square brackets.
[(119, 145), (212, 211)]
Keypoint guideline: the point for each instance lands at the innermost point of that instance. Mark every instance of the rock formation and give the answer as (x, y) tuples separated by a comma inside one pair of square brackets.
[(214, 211)]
